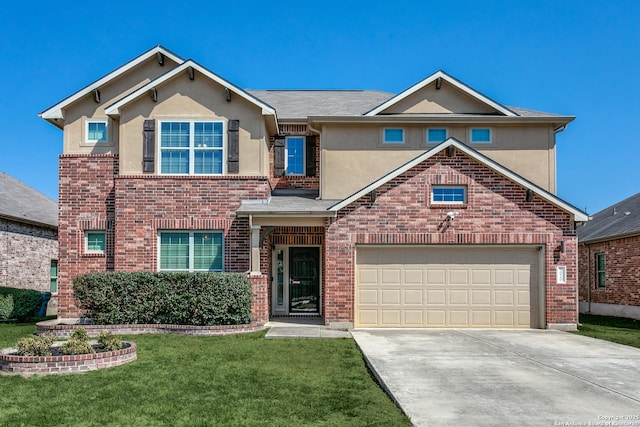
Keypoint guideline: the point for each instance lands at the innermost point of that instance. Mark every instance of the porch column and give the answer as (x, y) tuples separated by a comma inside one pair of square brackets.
[(255, 249)]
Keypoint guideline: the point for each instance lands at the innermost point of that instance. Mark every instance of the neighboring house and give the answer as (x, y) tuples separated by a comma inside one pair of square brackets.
[(28, 238), (609, 261), (434, 207)]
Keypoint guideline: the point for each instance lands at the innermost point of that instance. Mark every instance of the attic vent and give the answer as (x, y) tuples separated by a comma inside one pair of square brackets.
[(627, 213), (160, 58), (438, 83), (96, 96)]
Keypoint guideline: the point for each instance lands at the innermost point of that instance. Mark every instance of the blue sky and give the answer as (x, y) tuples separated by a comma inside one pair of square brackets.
[(578, 58)]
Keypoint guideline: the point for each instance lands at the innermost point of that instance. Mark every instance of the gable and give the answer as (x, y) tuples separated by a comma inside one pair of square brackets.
[(425, 97), (446, 100), (90, 100), (452, 146)]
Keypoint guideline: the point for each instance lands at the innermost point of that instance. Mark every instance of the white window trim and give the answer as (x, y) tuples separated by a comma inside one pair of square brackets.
[(191, 251), (426, 134), (86, 131), (86, 241), (286, 155), (437, 202), (490, 141), (404, 136), (561, 274), (191, 147)]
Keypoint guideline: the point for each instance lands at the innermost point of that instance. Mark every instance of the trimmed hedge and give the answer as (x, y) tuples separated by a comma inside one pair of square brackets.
[(203, 299), (26, 302)]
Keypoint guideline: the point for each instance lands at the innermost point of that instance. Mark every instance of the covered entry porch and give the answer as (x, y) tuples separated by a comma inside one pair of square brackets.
[(287, 246)]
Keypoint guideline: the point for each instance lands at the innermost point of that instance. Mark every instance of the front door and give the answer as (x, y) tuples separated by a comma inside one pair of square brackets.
[(304, 279), (296, 280)]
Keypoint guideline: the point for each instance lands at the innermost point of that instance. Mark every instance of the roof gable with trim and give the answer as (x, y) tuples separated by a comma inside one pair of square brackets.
[(441, 93), (189, 68), (55, 113), (577, 214)]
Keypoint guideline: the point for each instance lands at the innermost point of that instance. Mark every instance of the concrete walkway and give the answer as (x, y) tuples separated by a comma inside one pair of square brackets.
[(302, 328), (447, 377)]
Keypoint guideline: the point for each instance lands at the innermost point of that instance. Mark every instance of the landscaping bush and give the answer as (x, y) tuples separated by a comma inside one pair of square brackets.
[(109, 342), (161, 297), (78, 343), (26, 302), (6, 307), (35, 346)]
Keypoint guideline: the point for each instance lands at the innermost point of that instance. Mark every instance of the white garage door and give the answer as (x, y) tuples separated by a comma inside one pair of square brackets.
[(467, 286)]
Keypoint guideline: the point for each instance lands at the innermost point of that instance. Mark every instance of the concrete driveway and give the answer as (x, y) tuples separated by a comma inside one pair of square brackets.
[(447, 377)]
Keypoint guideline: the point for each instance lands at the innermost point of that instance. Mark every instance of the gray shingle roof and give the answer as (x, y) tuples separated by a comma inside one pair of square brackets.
[(292, 205), (622, 218), (23, 203), (300, 104)]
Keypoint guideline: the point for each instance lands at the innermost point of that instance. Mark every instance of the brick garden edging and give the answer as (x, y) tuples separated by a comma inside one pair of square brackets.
[(42, 365), (64, 330)]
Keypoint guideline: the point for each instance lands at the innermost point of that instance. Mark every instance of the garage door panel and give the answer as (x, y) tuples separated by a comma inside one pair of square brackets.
[(436, 276), (459, 297), (404, 286), (390, 296), (368, 296), (413, 297), (458, 318), (436, 297), (391, 276), (390, 317), (413, 318)]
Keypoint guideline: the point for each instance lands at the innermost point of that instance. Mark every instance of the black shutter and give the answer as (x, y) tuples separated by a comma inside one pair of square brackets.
[(310, 159), (148, 146), (278, 156), (233, 146)]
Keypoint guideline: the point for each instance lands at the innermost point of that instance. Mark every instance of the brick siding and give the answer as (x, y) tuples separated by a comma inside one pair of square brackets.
[(294, 181), (495, 213), (132, 209), (26, 252), (622, 271)]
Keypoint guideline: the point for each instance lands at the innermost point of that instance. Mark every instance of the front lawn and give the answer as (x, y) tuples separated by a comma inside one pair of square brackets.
[(615, 329), (238, 380)]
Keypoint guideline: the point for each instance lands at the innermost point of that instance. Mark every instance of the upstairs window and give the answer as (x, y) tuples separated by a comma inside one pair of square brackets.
[(295, 155), (191, 147), (480, 135), (449, 195), (436, 135), (96, 131), (601, 275), (191, 251), (393, 136)]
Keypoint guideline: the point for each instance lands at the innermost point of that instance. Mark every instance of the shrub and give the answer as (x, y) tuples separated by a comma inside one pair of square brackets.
[(78, 343), (109, 342), (6, 307), (26, 302), (36, 346), (162, 297)]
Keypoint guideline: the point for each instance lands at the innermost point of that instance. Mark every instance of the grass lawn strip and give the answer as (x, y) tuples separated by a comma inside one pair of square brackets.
[(237, 380), (614, 329)]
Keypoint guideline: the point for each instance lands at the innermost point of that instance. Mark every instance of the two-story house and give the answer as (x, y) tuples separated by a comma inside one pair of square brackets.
[(434, 207)]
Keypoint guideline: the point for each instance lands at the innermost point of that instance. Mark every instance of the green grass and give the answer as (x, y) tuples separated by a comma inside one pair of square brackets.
[(238, 380), (615, 329)]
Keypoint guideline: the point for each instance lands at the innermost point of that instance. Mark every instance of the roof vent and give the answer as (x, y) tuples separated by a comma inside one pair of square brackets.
[(627, 213)]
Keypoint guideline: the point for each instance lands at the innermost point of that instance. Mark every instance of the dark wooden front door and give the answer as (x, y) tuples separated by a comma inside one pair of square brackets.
[(304, 279)]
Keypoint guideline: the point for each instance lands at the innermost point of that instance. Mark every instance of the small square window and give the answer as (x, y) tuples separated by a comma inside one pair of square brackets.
[(481, 135), (95, 242), (96, 131), (448, 195), (436, 135), (393, 136)]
